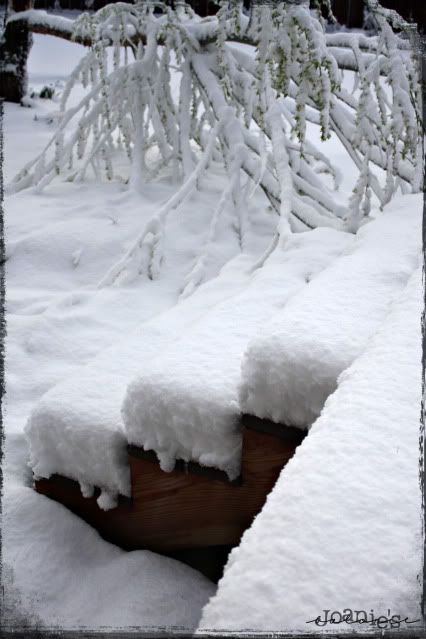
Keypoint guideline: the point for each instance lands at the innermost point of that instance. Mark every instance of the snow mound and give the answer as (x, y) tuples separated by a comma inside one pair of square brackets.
[(184, 404), (65, 576), (342, 527), (76, 428), (292, 365)]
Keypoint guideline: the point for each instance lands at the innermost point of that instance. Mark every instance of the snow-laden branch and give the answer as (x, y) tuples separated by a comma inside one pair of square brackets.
[(39, 21), (248, 112), (204, 32)]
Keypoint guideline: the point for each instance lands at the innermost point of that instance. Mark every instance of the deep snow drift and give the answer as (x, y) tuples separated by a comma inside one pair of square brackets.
[(342, 527), (57, 571)]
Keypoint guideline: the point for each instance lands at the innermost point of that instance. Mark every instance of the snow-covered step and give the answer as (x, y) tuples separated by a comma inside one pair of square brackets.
[(292, 365), (193, 513), (184, 405), (76, 429), (174, 511), (195, 506)]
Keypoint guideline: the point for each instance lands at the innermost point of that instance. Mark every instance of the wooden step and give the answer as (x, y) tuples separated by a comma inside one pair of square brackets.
[(192, 509)]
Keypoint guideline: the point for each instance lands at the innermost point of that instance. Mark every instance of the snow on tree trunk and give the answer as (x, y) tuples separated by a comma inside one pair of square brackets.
[(15, 45)]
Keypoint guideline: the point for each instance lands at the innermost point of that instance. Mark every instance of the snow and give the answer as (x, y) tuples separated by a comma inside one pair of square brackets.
[(184, 404), (43, 18), (342, 527), (57, 571), (76, 428), (73, 348), (45, 63), (292, 366)]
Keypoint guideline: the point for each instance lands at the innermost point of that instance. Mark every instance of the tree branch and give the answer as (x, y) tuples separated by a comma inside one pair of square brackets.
[(205, 32)]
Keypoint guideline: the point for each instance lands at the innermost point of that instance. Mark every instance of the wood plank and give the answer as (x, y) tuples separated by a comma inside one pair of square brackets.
[(193, 468), (191, 508), (184, 510), (209, 560), (289, 434)]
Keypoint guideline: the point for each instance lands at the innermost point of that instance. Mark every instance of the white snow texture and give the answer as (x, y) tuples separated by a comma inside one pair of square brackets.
[(342, 527), (292, 365), (184, 404)]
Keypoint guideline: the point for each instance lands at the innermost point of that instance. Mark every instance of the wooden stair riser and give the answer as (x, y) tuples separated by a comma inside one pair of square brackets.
[(192, 507)]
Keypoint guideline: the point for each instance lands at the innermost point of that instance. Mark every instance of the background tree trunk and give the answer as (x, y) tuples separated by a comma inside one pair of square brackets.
[(15, 46), (349, 12)]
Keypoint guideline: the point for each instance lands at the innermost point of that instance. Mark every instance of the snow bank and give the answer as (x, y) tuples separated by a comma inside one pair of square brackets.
[(58, 572), (76, 428), (292, 366), (342, 526), (184, 404)]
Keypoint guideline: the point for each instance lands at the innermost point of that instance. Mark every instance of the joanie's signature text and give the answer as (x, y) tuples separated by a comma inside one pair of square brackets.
[(362, 618)]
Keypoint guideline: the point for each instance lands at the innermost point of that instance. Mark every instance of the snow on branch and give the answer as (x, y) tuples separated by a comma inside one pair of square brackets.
[(247, 111), (39, 21), (205, 31)]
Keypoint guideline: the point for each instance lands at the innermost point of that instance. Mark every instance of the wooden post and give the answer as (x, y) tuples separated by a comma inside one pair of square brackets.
[(14, 51)]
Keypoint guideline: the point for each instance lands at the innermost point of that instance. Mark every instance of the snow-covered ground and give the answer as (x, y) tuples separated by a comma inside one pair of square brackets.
[(78, 347)]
